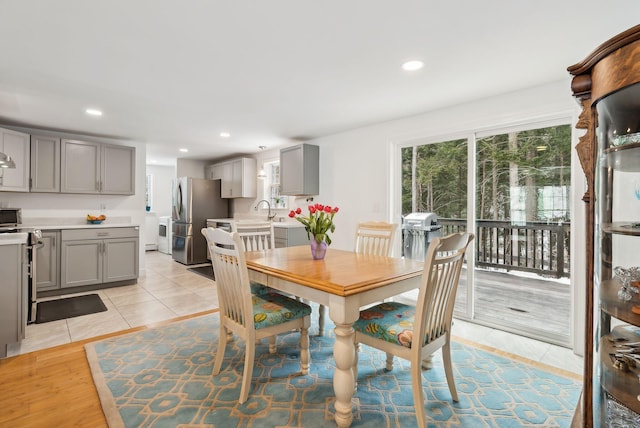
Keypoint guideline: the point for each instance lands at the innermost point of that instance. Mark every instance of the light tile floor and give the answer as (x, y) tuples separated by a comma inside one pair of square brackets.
[(168, 290)]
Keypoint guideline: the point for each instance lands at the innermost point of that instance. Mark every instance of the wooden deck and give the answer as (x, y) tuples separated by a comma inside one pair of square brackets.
[(532, 307)]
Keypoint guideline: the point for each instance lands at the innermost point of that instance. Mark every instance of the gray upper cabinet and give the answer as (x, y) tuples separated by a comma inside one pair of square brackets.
[(238, 177), (213, 172), (80, 167), (118, 170), (45, 163), (15, 145), (300, 170), (88, 167)]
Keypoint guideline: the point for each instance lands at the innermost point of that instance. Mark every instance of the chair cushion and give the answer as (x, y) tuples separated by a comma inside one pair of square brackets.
[(273, 308), (388, 321), (259, 289)]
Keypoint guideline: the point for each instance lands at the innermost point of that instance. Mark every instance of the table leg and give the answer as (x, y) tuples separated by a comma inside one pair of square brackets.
[(343, 377), (427, 362)]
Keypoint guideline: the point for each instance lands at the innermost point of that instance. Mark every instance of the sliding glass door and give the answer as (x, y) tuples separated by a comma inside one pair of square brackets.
[(434, 180), (519, 209), (522, 224)]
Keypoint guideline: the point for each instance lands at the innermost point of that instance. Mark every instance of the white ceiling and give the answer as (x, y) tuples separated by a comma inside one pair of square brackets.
[(175, 74)]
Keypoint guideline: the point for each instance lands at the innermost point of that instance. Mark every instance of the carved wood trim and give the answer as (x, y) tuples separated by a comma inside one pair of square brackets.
[(622, 39)]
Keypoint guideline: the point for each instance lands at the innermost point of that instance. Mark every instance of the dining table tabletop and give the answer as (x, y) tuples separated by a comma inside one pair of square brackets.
[(344, 281)]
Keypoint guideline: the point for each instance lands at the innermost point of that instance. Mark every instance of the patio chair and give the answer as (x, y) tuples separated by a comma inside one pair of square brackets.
[(392, 326), (250, 316)]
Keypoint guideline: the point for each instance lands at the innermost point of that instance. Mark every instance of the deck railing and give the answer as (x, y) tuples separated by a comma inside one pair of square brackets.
[(537, 247)]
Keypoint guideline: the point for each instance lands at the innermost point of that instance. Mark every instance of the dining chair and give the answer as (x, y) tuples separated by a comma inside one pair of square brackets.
[(391, 326), (372, 237), (375, 237), (249, 316), (256, 236)]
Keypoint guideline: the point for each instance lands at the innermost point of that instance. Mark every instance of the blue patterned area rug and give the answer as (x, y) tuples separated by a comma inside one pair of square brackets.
[(161, 377)]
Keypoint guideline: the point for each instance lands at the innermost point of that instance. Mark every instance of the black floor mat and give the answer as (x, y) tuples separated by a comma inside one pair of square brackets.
[(53, 310), (206, 271)]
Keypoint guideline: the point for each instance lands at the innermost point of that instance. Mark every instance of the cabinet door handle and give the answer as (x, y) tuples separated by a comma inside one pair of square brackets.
[(53, 242)]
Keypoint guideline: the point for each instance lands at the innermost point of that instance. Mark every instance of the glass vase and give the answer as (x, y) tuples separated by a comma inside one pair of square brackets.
[(318, 250)]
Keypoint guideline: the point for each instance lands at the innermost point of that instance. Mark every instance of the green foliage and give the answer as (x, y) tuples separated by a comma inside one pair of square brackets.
[(511, 170)]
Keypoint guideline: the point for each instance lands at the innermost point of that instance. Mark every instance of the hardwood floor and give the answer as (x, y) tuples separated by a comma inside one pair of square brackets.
[(54, 386)]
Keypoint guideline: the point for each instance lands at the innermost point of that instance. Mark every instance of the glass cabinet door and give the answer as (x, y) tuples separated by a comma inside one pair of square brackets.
[(616, 379)]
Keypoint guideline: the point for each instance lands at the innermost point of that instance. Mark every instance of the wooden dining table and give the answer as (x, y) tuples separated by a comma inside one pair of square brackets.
[(343, 281)]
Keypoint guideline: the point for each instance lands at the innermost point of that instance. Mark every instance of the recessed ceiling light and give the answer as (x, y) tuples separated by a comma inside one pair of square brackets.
[(412, 65), (93, 112), (184, 150), (225, 135)]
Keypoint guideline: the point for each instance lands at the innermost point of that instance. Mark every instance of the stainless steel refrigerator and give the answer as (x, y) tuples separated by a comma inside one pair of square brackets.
[(194, 201)]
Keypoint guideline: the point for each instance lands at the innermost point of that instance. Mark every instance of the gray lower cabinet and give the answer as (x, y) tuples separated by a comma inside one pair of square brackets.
[(290, 236), (13, 295), (48, 261), (97, 256)]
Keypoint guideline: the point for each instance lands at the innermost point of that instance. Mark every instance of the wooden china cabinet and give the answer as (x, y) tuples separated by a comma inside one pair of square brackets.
[(607, 84)]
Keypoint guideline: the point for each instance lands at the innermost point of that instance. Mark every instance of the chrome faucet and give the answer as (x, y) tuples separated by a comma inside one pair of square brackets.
[(269, 215)]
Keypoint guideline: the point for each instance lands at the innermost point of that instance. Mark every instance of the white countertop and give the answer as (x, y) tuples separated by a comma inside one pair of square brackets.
[(13, 238), (285, 224), (83, 226), (59, 223)]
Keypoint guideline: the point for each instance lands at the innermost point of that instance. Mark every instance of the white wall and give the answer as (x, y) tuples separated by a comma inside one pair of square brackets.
[(162, 186), (191, 168)]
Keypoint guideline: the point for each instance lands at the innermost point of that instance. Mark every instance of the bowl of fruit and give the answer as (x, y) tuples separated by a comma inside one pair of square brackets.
[(96, 219)]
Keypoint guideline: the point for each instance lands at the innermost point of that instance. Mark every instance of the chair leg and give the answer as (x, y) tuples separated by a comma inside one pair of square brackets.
[(222, 344), (272, 344), (247, 373), (389, 362), (418, 399), (427, 362), (321, 320), (448, 370), (304, 348)]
